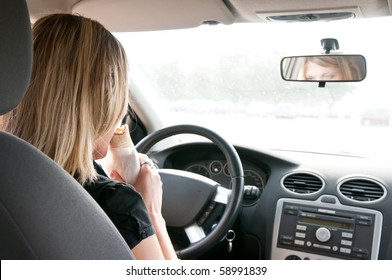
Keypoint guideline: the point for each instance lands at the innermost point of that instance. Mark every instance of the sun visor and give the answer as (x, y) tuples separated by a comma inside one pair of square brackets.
[(143, 15)]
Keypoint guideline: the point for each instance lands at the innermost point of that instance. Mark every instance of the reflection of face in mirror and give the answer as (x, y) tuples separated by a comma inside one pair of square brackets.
[(314, 71), (330, 68), (324, 68)]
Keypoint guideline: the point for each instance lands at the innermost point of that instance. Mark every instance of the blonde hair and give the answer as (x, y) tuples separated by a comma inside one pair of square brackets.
[(78, 91)]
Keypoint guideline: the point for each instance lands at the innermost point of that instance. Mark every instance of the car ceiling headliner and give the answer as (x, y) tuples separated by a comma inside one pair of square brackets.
[(142, 15)]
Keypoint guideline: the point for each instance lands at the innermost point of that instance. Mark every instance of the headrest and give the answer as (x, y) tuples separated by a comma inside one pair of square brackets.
[(16, 53)]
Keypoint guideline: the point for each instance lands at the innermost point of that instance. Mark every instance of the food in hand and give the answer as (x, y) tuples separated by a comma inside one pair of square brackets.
[(121, 138)]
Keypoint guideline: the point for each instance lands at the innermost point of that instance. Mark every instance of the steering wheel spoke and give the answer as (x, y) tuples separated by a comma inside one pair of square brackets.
[(194, 233), (222, 195)]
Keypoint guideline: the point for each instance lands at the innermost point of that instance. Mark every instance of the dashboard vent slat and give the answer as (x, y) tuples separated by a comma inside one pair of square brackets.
[(302, 183), (364, 190)]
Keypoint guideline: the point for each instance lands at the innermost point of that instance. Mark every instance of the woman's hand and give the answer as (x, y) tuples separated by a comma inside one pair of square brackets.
[(149, 185)]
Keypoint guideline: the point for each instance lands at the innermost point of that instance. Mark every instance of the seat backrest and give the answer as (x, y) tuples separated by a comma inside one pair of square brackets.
[(44, 212)]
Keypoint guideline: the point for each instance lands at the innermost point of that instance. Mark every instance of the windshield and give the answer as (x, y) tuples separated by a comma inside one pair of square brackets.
[(228, 79)]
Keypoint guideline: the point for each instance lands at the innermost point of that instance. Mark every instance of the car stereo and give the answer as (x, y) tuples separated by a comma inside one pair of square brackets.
[(325, 229)]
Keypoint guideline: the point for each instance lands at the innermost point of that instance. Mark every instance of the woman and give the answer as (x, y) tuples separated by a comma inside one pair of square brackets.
[(332, 68), (76, 99)]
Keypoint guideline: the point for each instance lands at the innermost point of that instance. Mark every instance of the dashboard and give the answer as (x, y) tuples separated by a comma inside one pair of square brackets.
[(300, 205)]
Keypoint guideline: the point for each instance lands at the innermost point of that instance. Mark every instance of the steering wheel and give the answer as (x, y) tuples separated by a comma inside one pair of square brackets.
[(188, 198)]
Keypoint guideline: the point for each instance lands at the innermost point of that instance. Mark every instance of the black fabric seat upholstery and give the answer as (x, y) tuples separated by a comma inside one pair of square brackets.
[(44, 212)]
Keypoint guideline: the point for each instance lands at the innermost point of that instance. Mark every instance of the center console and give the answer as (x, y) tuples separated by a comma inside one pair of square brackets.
[(325, 229)]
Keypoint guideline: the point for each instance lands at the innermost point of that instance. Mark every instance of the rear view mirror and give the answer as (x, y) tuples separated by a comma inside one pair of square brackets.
[(324, 68)]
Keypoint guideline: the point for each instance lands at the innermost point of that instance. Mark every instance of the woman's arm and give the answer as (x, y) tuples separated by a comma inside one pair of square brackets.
[(163, 237), (157, 246), (148, 249), (149, 185)]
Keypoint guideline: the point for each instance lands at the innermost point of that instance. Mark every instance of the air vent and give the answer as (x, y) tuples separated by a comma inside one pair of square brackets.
[(364, 190), (303, 183)]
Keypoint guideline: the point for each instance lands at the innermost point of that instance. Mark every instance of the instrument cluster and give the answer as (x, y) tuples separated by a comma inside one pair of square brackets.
[(218, 170)]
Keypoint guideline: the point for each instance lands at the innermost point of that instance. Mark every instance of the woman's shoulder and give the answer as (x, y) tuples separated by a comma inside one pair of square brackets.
[(104, 188), (124, 206)]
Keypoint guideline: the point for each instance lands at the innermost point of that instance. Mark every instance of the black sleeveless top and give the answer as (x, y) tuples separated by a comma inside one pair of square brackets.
[(124, 206)]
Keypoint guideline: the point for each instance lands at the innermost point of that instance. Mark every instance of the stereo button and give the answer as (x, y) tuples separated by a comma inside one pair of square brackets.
[(360, 253), (345, 250), (346, 242), (301, 227), (347, 235), (300, 234), (299, 242), (291, 212), (286, 239), (364, 222), (323, 234)]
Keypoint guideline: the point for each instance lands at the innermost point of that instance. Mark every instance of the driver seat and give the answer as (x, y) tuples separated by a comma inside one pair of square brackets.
[(44, 212)]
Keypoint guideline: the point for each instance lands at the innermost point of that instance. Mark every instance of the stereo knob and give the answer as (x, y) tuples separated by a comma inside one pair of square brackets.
[(323, 234)]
